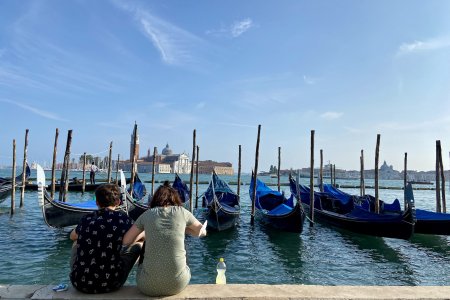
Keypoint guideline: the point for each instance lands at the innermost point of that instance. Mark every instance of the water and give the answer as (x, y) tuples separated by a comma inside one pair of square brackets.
[(32, 253)]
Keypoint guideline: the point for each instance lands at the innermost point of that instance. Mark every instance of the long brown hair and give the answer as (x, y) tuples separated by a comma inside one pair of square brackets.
[(165, 195)]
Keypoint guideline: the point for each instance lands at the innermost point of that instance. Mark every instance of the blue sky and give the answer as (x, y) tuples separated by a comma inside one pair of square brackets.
[(347, 69)]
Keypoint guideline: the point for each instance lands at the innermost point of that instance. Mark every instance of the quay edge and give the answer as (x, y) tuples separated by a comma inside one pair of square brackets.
[(239, 291)]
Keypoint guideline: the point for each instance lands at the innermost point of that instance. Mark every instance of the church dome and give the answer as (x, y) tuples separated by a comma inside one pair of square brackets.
[(166, 150)]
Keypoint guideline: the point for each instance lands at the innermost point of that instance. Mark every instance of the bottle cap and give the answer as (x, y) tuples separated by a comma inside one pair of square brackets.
[(221, 259)]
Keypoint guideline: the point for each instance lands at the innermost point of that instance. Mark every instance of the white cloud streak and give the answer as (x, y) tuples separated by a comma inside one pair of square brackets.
[(234, 30), (331, 115), (239, 27), (420, 46), (34, 110), (175, 45)]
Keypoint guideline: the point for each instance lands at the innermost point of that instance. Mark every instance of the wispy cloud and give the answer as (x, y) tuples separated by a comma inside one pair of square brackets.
[(309, 80), (234, 30), (239, 27), (417, 125), (331, 115), (34, 110), (175, 45), (419, 46)]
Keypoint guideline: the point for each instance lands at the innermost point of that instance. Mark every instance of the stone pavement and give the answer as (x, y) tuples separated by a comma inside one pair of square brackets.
[(241, 291)]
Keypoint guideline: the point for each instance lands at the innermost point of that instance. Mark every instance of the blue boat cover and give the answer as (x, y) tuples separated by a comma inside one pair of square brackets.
[(182, 189), (222, 191), (139, 189), (90, 204), (271, 201), (429, 215)]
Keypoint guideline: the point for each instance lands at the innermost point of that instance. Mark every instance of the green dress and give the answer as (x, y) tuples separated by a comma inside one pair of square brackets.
[(164, 270)]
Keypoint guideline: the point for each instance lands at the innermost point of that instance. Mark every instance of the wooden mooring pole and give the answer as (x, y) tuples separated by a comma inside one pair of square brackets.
[(362, 181), (239, 172), (334, 175), (52, 192), (438, 183), (441, 169), (311, 182), (109, 162), (377, 154), (196, 178), (252, 217), (13, 179), (83, 187), (64, 182), (279, 165), (405, 180), (321, 171), (117, 168), (133, 160), (191, 179), (24, 167), (153, 171)]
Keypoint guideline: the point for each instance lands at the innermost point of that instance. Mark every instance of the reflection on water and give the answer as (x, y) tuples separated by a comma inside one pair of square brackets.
[(32, 253)]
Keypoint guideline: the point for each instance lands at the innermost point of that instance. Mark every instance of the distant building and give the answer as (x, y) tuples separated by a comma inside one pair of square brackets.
[(388, 172), (221, 168), (132, 144)]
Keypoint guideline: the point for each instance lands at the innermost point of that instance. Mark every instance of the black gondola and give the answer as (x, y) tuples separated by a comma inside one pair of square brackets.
[(6, 184)]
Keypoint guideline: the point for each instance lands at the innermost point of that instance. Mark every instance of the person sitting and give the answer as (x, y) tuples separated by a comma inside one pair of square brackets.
[(164, 270), (97, 264)]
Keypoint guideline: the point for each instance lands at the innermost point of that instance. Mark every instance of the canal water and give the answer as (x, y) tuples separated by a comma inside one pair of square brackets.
[(33, 253)]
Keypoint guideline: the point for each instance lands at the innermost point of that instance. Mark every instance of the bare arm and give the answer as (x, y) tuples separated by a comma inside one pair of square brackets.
[(73, 235), (194, 229), (133, 234)]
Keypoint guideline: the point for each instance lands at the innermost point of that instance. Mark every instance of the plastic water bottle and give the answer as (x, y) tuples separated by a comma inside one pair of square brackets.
[(221, 268)]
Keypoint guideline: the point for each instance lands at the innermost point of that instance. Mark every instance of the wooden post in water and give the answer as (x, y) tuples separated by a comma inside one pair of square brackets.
[(405, 180), (377, 153), (438, 183), (334, 175), (64, 182), (153, 170), (117, 168), (279, 165), (331, 172), (133, 160), (83, 187), (362, 182), (109, 162), (196, 179), (239, 173), (52, 193), (192, 171), (252, 217), (311, 182), (24, 167), (321, 171), (441, 168), (13, 179)]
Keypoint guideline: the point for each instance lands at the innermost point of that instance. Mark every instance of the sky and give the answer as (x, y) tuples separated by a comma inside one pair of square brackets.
[(348, 70)]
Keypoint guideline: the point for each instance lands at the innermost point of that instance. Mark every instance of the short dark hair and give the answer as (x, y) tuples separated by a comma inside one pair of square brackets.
[(165, 195), (107, 194)]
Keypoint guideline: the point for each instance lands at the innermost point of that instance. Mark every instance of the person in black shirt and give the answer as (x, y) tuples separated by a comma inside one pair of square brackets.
[(97, 264)]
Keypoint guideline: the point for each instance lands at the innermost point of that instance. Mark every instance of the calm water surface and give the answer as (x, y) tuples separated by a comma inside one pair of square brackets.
[(32, 253)]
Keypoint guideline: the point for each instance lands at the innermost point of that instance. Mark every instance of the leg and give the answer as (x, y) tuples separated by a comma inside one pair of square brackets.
[(129, 258)]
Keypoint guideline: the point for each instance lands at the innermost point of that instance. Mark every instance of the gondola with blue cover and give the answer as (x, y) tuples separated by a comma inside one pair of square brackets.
[(222, 205), (275, 210), (345, 213)]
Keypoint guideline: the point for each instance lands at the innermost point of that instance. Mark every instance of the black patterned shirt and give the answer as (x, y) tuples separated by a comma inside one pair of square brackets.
[(98, 267)]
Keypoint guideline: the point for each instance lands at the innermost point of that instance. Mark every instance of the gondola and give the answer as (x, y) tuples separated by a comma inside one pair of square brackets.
[(136, 207), (427, 222), (59, 214), (221, 205), (356, 218), (6, 183), (274, 210)]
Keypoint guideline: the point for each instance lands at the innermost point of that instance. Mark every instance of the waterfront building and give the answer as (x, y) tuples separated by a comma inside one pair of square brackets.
[(221, 168)]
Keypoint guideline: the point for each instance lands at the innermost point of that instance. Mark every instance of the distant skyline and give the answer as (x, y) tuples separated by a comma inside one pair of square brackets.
[(347, 69)]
